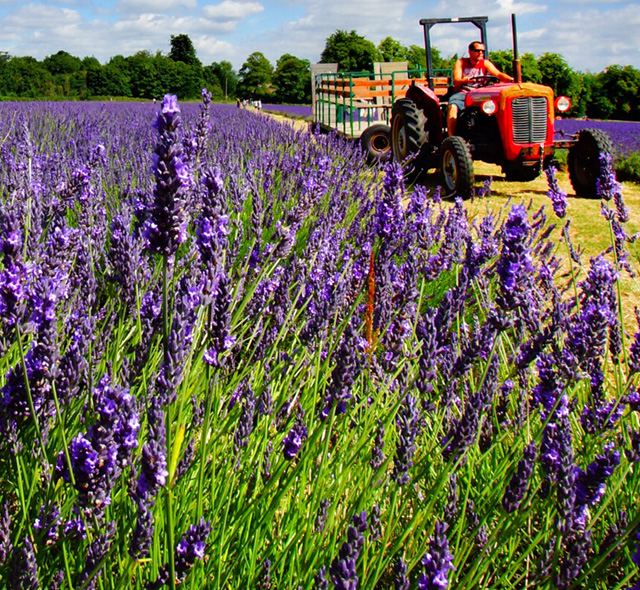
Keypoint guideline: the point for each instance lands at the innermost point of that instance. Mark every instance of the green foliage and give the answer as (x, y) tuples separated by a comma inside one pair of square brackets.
[(503, 60), (556, 73), (255, 77), (182, 49), (352, 52), (628, 167), (616, 94), (292, 80), (221, 80), (392, 50)]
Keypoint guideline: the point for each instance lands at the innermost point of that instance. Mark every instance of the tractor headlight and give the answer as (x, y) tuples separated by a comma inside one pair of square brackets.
[(563, 104), (489, 107)]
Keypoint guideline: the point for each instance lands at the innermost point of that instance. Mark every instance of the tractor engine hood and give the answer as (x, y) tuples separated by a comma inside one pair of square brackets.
[(501, 93), (529, 136)]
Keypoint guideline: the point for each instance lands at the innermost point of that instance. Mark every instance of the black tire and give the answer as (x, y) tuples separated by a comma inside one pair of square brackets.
[(516, 172), (376, 143), (457, 168), (585, 163), (408, 135)]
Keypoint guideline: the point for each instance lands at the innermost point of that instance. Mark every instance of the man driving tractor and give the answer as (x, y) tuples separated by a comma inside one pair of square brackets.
[(464, 72)]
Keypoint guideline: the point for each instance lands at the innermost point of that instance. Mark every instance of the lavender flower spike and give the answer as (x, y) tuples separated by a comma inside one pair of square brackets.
[(437, 561), (519, 483), (555, 193), (166, 227)]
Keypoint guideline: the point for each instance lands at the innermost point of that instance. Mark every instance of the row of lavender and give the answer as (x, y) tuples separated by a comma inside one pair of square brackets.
[(231, 358)]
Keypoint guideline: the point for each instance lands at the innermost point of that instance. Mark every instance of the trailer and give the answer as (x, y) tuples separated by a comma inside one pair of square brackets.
[(358, 105)]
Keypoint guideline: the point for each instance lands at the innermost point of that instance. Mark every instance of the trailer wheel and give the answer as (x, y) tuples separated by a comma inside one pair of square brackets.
[(376, 142), (585, 163), (457, 168), (408, 135)]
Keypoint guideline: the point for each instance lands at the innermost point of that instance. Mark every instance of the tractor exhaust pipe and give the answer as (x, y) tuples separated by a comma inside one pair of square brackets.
[(517, 70)]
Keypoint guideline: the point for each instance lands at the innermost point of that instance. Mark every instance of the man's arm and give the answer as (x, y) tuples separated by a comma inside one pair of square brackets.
[(491, 69), (458, 80)]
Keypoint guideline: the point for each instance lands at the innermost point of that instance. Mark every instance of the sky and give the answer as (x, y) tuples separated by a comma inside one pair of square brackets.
[(589, 34)]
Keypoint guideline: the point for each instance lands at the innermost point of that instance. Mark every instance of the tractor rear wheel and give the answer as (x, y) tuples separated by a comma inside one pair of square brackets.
[(457, 168), (585, 162), (408, 135), (376, 142)]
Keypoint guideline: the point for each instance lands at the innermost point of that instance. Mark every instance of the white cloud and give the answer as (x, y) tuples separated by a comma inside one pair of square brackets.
[(156, 6), (229, 10), (35, 16)]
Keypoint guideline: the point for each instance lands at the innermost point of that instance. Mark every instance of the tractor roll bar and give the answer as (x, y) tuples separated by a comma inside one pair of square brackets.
[(427, 23)]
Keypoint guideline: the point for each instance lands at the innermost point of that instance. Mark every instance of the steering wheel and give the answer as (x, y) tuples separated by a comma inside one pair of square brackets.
[(481, 81)]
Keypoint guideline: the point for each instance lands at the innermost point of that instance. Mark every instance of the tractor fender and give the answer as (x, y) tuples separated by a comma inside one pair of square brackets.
[(427, 100)]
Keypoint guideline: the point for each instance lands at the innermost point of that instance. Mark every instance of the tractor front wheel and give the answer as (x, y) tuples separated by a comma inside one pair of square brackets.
[(457, 168), (376, 142), (585, 161)]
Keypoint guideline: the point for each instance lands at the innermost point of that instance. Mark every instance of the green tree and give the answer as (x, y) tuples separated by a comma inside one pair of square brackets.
[(221, 80), (26, 77), (616, 94), (255, 77), (182, 49), (503, 60), (417, 56), (107, 80), (62, 63), (556, 73), (143, 76), (350, 51), (392, 50), (292, 80)]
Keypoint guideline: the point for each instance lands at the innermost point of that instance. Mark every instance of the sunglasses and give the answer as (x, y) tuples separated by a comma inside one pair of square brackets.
[(478, 50)]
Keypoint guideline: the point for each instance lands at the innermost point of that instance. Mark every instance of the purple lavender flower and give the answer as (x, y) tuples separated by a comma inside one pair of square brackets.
[(321, 517), (246, 424), (344, 373), (514, 267), (48, 522), (607, 184), (407, 422), (577, 550), (555, 193), (320, 581), (377, 451), (265, 576), (23, 571), (591, 484), (98, 457), (293, 442), (389, 220), (154, 472), (437, 562), (165, 228), (5, 534), (97, 550), (519, 483), (221, 338), (191, 547), (400, 580), (343, 568)]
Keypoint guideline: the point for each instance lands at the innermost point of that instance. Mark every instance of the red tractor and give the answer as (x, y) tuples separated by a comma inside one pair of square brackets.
[(508, 124)]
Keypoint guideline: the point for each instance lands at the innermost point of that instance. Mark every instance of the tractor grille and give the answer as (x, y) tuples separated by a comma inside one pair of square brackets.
[(529, 119)]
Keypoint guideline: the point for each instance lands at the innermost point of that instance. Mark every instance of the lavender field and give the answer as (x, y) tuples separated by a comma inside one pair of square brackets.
[(230, 357), (625, 135)]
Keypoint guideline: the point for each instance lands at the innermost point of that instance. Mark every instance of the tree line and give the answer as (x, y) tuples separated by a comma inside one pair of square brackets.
[(613, 93)]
